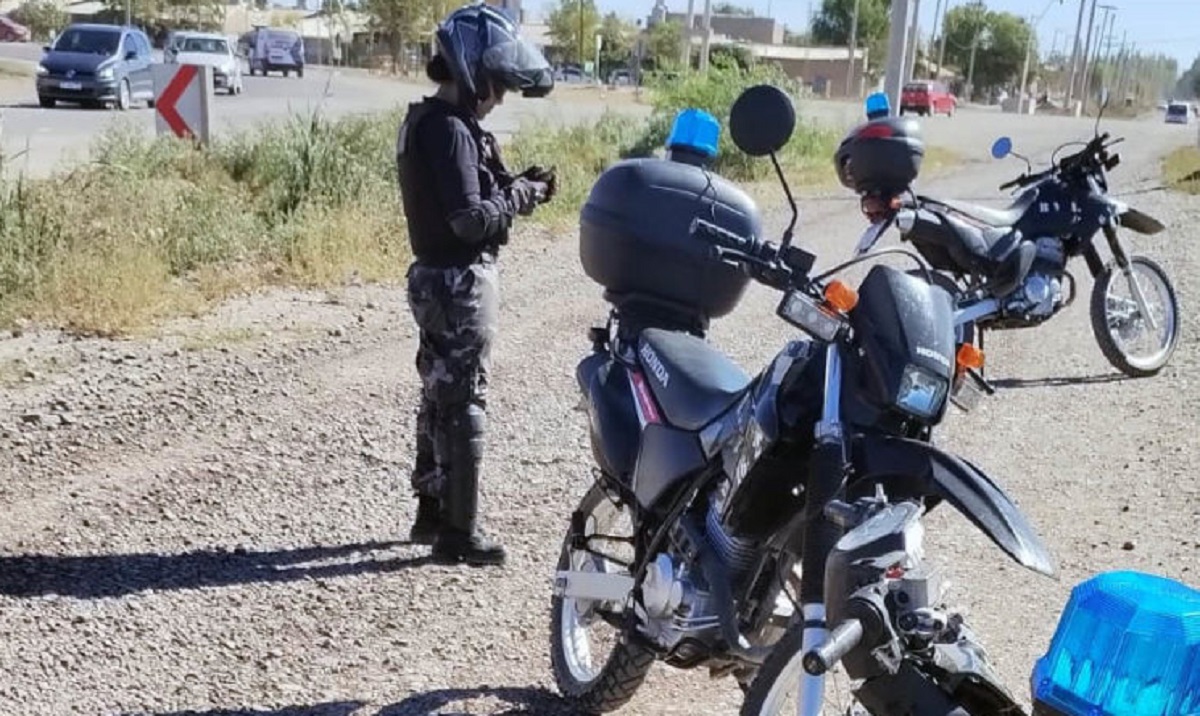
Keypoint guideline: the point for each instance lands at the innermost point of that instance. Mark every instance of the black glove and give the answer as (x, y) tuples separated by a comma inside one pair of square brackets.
[(545, 176), (525, 194)]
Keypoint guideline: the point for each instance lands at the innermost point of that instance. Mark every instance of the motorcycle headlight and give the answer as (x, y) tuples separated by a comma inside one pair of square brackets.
[(105, 74), (921, 392)]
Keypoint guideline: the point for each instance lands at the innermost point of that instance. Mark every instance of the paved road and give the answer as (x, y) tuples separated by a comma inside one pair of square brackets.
[(46, 138)]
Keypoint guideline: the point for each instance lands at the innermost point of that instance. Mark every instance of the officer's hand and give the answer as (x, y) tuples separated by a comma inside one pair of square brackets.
[(526, 194), (548, 177)]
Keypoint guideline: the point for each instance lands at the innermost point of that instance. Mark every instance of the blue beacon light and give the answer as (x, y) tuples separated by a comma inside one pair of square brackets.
[(694, 137), (877, 105), (1127, 644)]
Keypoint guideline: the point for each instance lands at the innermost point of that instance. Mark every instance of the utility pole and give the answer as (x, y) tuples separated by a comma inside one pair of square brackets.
[(1083, 58), (581, 53), (971, 71), (706, 41), (1090, 67), (942, 44), (688, 30), (937, 11), (914, 43), (1075, 54), (897, 50), (853, 47)]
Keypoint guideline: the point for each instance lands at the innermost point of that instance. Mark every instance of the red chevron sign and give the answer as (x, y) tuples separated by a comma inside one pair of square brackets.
[(170, 96)]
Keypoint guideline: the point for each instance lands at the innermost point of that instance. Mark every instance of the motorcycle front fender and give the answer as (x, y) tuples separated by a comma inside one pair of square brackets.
[(914, 469), (1140, 222)]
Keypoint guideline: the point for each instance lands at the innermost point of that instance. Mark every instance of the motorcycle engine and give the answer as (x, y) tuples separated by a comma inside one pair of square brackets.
[(677, 608), (1041, 295)]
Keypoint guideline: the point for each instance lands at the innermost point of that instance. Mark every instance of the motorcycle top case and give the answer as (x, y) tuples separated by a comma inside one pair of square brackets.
[(634, 236), (1127, 644)]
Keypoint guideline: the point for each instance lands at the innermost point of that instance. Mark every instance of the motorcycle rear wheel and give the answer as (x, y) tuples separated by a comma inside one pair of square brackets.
[(1114, 316), (607, 688)]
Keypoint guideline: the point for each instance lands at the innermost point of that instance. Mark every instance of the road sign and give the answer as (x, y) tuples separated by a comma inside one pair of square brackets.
[(182, 100)]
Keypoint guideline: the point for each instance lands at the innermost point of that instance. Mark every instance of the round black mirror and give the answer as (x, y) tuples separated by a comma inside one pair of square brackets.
[(762, 120)]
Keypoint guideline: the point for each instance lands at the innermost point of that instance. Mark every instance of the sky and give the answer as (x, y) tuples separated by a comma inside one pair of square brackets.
[(1171, 27)]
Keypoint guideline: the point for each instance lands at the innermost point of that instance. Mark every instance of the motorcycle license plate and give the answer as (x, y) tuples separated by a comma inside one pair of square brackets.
[(71, 85)]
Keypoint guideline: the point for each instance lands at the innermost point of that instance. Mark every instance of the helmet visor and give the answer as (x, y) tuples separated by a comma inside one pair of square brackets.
[(519, 67)]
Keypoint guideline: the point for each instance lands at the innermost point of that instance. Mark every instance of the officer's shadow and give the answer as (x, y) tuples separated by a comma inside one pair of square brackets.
[(115, 575)]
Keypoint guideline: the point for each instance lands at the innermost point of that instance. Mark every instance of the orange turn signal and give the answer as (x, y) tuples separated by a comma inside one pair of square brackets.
[(969, 357), (841, 296)]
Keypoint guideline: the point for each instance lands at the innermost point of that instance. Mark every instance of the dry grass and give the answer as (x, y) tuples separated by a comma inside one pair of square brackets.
[(1181, 170), (155, 228)]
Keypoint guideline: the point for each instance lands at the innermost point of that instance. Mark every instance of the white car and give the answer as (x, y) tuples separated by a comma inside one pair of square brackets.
[(195, 48)]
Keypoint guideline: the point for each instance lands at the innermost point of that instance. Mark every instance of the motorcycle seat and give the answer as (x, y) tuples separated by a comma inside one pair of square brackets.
[(693, 382), (997, 254), (998, 218)]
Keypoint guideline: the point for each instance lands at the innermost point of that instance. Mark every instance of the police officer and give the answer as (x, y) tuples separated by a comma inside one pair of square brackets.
[(460, 201)]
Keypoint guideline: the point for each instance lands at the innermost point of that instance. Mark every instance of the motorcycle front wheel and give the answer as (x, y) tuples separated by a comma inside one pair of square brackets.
[(596, 685), (773, 692), (1124, 333)]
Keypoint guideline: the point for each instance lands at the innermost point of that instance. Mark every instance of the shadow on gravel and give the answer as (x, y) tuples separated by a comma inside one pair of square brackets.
[(340, 708), (515, 701), (95, 577), (1060, 381)]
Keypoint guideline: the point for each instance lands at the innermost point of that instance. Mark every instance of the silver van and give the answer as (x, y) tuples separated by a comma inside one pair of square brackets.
[(270, 49)]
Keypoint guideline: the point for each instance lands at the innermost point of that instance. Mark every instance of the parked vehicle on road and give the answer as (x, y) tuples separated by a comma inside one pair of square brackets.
[(95, 64), (1008, 268), (271, 49), (214, 51), (926, 98), (769, 527)]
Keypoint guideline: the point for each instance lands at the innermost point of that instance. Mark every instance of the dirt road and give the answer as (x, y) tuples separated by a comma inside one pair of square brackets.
[(210, 520)]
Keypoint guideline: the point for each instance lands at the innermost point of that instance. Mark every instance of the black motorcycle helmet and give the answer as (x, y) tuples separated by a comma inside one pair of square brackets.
[(479, 43)]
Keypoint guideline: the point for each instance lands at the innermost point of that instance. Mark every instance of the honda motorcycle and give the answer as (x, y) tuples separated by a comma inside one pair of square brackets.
[(769, 528), (1008, 268)]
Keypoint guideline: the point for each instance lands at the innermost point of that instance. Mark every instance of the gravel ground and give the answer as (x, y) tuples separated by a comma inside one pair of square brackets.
[(210, 519)]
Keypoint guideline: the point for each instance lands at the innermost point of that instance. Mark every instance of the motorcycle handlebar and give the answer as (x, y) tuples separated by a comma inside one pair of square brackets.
[(841, 641), (724, 238)]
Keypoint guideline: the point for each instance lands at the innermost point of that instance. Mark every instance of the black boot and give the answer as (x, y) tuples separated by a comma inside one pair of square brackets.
[(459, 539), (427, 522)]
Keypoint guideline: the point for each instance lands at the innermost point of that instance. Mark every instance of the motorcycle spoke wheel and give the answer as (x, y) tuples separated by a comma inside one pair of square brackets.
[(776, 688), (1126, 337), (595, 664)]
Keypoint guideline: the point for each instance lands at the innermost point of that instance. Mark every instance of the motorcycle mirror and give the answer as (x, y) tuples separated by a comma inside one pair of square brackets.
[(1001, 148), (762, 120)]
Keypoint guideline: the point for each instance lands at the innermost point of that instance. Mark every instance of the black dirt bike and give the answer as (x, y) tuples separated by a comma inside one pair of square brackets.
[(767, 528), (1008, 267)]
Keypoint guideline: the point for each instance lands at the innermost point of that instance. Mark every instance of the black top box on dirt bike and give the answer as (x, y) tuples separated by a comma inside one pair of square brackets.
[(882, 156), (634, 237)]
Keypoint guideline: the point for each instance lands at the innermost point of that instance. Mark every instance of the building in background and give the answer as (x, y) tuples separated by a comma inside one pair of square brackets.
[(740, 28), (512, 6)]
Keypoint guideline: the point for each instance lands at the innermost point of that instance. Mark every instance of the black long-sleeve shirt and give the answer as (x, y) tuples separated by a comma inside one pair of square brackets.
[(451, 184)]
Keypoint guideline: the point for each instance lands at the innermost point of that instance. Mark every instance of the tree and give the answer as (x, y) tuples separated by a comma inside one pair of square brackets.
[(1189, 82), (565, 24), (1002, 39), (406, 23), (616, 45), (42, 17), (664, 45), (728, 8), (831, 26)]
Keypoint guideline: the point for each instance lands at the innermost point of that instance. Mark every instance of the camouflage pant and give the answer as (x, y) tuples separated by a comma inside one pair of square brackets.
[(456, 310)]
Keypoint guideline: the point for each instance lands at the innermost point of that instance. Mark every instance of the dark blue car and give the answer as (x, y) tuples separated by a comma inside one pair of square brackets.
[(97, 64)]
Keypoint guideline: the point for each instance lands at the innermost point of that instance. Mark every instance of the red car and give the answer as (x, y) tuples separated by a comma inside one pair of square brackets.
[(926, 98)]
